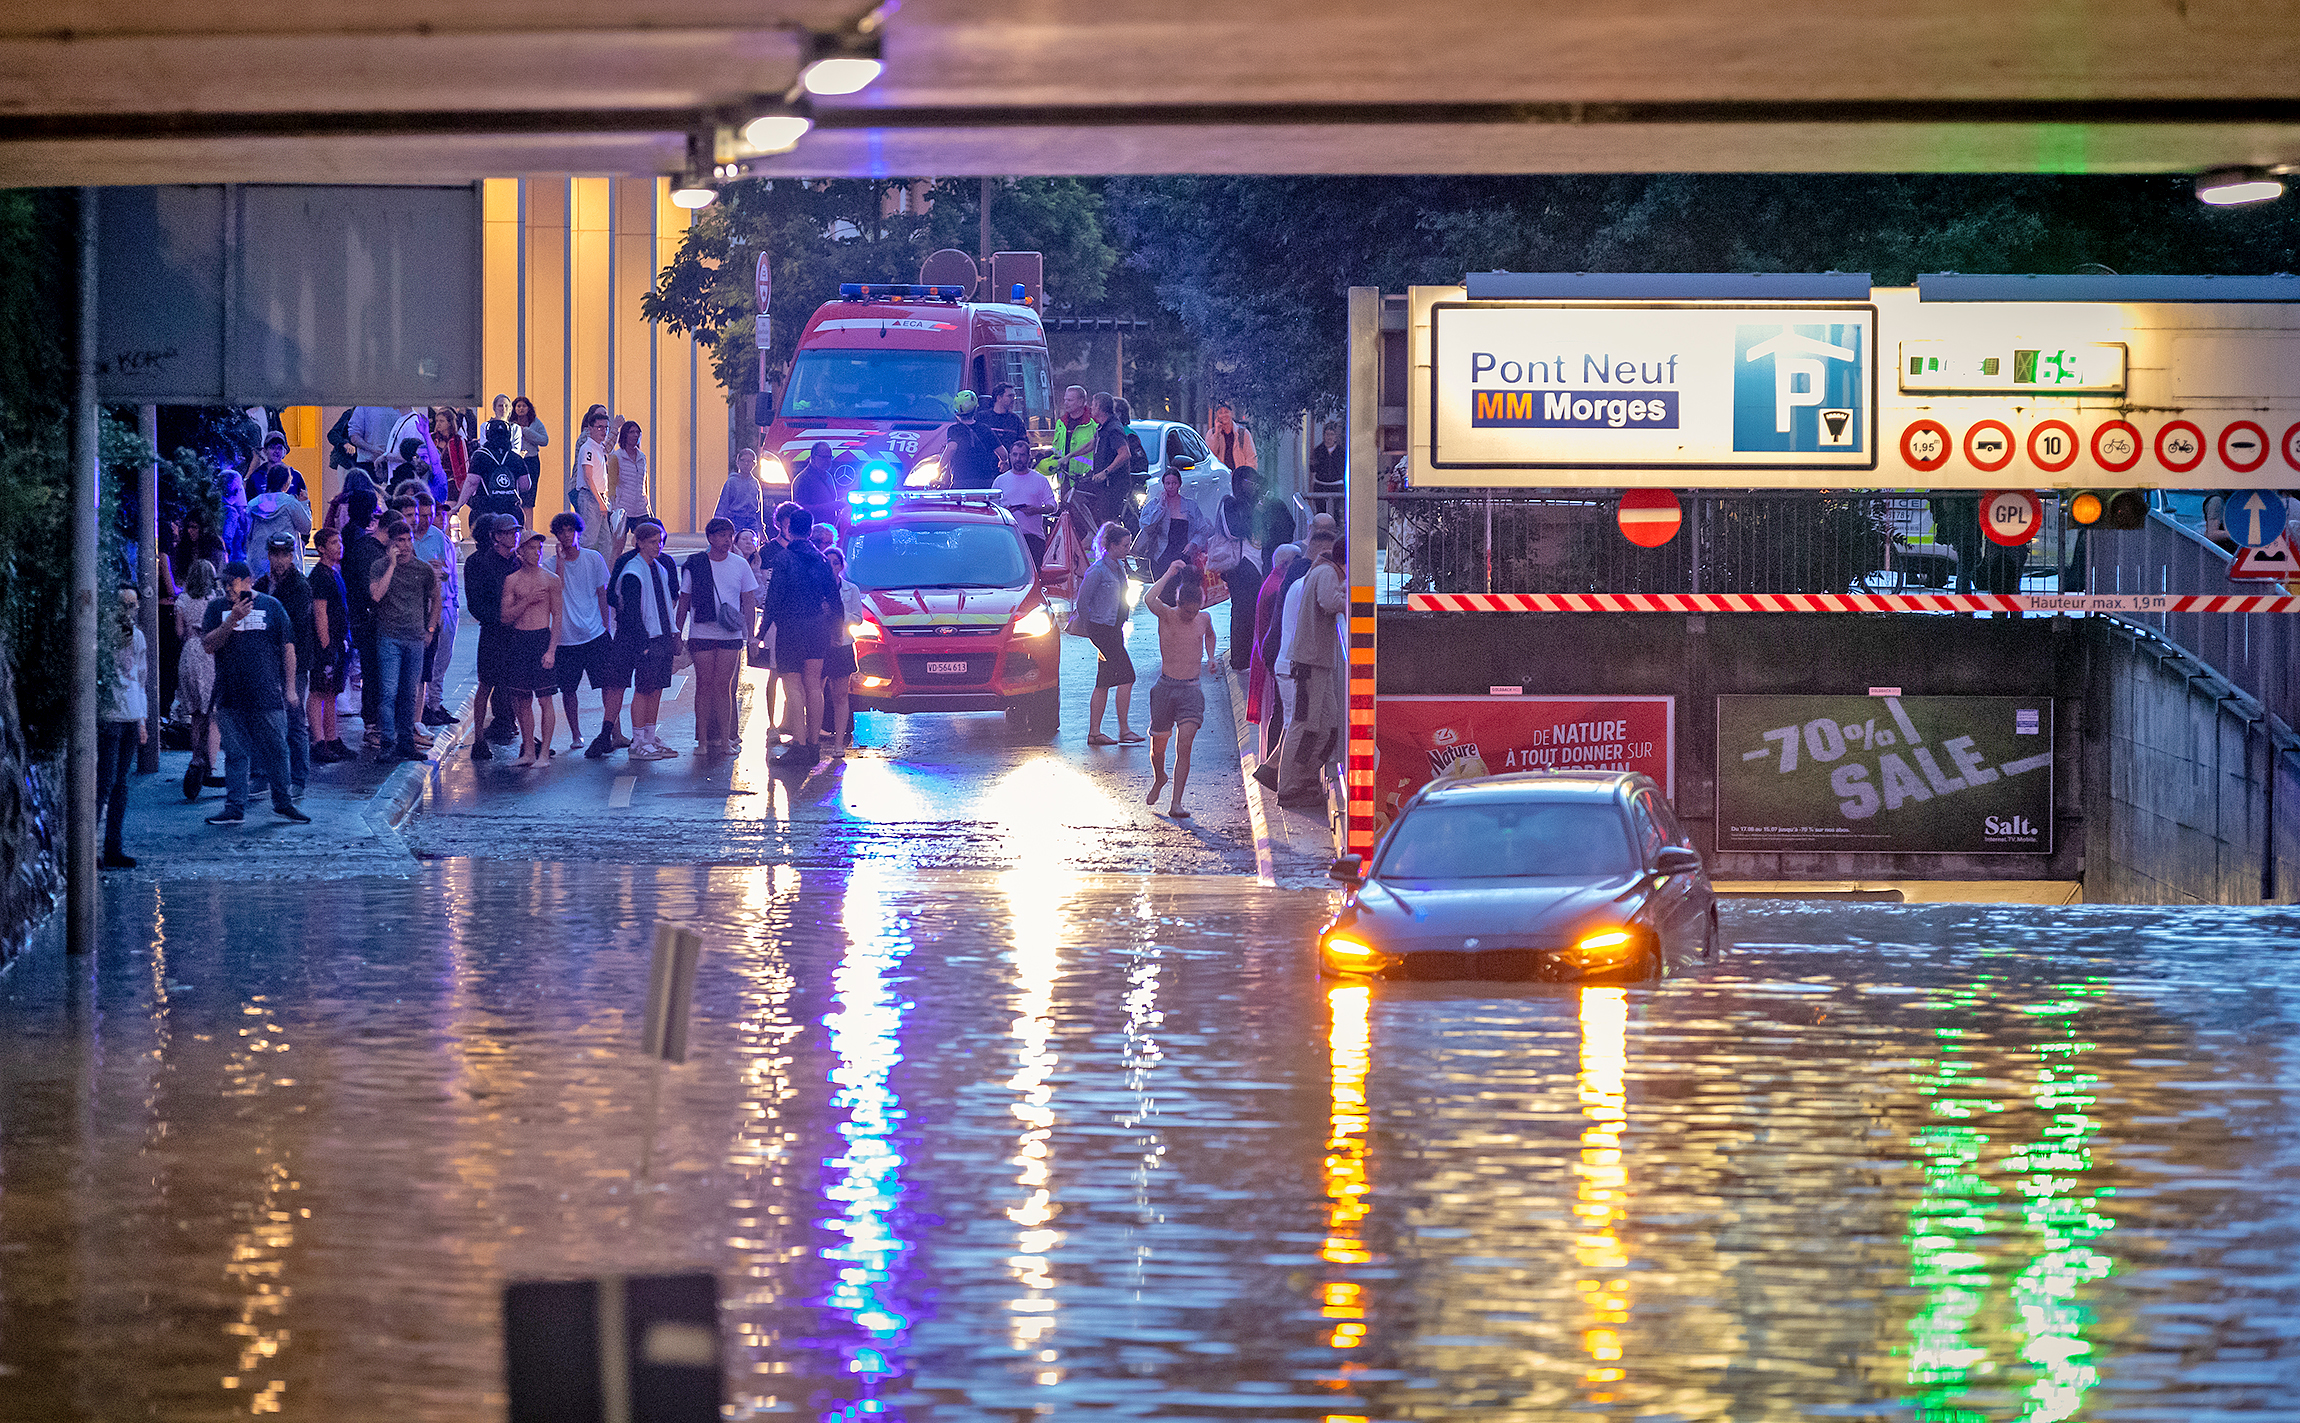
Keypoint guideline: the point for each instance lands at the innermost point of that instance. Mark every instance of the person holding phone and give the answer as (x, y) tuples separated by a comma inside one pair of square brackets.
[(253, 641)]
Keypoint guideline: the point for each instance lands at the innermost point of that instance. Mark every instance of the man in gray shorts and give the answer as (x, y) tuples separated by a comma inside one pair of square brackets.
[(1177, 705)]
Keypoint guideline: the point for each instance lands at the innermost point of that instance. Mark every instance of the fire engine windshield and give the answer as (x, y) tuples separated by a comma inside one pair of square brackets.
[(866, 384), (925, 554)]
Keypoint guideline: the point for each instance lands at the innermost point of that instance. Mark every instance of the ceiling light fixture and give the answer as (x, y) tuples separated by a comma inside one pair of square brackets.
[(696, 186), (842, 64), (778, 131), (2236, 187)]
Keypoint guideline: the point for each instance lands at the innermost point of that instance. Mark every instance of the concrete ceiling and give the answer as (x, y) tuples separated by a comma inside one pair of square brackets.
[(108, 91)]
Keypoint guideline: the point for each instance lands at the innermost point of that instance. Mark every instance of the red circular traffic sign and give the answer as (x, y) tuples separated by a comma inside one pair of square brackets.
[(763, 283), (1649, 517), (2234, 453), (2291, 444), (2179, 446), (1926, 445), (1989, 445), (2116, 446), (2053, 446), (2011, 516)]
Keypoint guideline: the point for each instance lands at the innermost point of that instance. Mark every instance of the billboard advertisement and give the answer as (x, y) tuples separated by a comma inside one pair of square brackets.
[(1421, 739), (1625, 386), (1955, 775)]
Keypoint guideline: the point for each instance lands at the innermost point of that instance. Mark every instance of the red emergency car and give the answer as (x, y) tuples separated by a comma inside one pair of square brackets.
[(954, 619)]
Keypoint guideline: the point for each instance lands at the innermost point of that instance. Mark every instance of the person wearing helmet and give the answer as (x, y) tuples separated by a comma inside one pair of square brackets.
[(970, 448)]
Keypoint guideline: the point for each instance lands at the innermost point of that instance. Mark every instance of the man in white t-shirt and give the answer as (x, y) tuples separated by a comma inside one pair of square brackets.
[(719, 599), (584, 646), (1027, 494), (593, 478)]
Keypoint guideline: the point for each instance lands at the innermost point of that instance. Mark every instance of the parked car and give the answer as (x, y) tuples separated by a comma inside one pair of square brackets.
[(1551, 877), (1172, 444)]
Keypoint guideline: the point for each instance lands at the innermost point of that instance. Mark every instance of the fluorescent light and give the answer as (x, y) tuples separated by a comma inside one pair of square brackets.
[(2235, 187), (843, 74), (692, 192), (775, 133)]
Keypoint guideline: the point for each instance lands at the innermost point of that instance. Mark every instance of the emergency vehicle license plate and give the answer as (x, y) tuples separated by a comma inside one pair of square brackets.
[(946, 669)]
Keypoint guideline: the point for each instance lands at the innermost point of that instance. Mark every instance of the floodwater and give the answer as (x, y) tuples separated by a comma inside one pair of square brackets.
[(1035, 1145)]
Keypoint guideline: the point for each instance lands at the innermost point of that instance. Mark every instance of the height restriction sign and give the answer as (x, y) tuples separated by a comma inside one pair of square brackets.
[(2010, 516)]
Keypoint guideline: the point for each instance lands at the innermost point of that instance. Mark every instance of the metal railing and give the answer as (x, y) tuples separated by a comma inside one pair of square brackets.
[(1769, 541), (2257, 652)]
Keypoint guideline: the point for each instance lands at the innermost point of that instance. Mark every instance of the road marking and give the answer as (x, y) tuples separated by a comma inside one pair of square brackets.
[(1265, 859), (678, 685), (620, 797)]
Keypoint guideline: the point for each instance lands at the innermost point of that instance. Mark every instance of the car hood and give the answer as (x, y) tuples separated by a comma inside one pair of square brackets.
[(969, 609), (1411, 914)]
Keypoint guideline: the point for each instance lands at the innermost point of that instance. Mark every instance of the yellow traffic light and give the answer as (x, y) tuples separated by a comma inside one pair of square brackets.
[(2117, 509), (2084, 507)]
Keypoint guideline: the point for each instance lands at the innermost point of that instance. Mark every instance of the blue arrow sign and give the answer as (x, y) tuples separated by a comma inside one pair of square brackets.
[(2255, 517)]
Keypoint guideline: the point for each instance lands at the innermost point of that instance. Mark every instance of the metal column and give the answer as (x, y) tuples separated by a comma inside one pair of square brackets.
[(148, 586), (81, 809), (1362, 507)]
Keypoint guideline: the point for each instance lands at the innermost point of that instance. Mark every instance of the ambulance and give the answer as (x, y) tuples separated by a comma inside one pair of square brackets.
[(875, 374)]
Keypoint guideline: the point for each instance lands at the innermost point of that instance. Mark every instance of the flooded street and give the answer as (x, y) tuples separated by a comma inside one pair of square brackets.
[(1043, 1145)]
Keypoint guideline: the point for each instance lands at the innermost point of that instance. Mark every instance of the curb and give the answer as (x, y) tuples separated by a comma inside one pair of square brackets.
[(1265, 857), (396, 798)]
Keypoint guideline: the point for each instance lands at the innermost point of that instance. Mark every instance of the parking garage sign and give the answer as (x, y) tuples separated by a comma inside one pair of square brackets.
[(1524, 385)]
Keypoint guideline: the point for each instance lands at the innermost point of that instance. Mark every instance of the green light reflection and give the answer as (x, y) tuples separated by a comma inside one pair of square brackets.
[(1985, 1199)]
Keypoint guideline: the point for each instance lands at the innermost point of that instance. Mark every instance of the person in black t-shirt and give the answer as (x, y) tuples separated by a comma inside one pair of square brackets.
[(1004, 425), (1112, 482), (293, 592), (331, 641), (499, 482), (250, 636), (362, 546), (970, 450)]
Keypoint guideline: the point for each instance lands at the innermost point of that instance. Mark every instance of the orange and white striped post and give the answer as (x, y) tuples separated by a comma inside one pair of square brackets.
[(1362, 509)]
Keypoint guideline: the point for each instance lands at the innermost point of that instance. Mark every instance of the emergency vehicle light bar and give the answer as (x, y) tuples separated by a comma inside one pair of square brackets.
[(905, 291)]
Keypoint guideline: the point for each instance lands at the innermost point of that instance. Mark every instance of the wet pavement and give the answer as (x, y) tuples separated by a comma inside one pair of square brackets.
[(944, 791), (1040, 1144)]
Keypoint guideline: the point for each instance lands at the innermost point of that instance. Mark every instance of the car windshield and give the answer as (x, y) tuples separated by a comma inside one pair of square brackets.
[(1509, 840), (937, 555), (829, 383)]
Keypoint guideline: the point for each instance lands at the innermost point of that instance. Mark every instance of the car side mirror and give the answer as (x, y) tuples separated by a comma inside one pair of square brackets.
[(1181, 462), (1347, 869), (1677, 860)]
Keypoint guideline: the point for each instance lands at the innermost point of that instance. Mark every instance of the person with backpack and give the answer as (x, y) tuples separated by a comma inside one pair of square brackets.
[(646, 635), (803, 605), (498, 480)]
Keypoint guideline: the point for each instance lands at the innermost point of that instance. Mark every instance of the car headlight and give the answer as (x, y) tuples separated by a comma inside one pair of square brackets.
[(1036, 623), (1141, 498), (1350, 955), (1603, 948), (926, 474), (772, 470), (865, 630)]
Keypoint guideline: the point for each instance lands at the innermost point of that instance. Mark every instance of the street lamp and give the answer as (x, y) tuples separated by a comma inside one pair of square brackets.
[(2236, 187)]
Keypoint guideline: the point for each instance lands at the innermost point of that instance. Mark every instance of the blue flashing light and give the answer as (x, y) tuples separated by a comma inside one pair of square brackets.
[(880, 474), (878, 498), (1020, 295)]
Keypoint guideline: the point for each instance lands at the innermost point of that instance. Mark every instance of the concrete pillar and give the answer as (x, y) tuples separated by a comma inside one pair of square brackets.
[(80, 925), (148, 584)]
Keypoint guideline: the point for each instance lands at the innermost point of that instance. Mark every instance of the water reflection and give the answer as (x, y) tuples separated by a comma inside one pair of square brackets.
[(1040, 1145), (866, 1185), (1601, 1187)]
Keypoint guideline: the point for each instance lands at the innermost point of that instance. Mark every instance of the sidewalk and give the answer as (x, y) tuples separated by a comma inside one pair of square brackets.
[(349, 834)]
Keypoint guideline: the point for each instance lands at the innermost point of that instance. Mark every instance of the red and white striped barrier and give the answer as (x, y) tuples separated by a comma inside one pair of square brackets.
[(2128, 603)]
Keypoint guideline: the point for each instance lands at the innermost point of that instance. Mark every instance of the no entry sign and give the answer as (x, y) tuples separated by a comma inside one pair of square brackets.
[(2011, 516), (1649, 517)]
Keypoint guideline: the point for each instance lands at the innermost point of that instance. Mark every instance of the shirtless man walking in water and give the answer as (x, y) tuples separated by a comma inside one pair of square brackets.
[(531, 621), (1177, 705)]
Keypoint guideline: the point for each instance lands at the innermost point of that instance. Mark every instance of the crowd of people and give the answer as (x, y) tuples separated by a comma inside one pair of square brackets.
[(283, 622)]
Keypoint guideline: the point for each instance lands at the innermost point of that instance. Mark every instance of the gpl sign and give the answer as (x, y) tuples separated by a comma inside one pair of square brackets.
[(2011, 516)]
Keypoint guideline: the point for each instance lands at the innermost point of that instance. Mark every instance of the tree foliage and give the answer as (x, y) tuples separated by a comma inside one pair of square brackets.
[(819, 235)]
